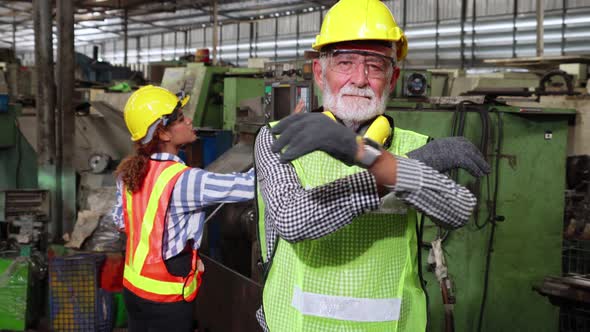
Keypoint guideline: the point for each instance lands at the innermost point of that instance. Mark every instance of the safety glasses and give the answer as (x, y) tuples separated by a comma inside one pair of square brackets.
[(346, 62), (170, 118)]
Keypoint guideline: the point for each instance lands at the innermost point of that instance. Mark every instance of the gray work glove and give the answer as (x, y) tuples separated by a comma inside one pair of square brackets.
[(445, 154), (303, 133)]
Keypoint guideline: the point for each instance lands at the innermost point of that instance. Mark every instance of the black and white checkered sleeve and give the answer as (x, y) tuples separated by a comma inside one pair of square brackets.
[(432, 193), (298, 214)]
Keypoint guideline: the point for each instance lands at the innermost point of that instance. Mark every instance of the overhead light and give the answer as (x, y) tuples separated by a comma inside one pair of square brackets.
[(305, 10), (261, 16), (95, 14), (310, 9)]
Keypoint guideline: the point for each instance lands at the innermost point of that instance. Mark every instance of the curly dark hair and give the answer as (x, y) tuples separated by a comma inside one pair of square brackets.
[(133, 169)]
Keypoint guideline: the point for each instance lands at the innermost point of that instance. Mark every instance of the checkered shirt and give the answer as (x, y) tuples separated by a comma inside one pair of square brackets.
[(296, 214)]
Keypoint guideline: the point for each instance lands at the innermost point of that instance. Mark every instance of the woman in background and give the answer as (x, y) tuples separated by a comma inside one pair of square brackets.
[(160, 204)]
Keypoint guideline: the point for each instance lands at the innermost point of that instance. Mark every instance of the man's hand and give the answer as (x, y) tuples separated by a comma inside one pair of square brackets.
[(303, 133), (300, 107), (445, 154)]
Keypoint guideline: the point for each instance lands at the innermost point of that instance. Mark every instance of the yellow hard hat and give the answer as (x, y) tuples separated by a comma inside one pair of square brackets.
[(146, 106), (350, 20)]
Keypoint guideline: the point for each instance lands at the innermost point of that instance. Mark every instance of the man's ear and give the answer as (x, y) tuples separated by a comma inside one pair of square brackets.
[(394, 79), (317, 74)]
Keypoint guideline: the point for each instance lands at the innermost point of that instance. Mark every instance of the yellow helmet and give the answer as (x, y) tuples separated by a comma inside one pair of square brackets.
[(350, 20), (146, 106)]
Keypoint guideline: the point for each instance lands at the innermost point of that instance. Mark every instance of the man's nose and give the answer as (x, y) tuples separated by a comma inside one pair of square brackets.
[(359, 76)]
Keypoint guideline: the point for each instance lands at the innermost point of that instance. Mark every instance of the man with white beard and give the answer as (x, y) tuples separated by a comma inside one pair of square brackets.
[(338, 194)]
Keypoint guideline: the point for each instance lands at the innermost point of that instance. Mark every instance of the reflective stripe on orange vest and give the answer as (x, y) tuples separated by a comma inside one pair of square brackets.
[(160, 286)]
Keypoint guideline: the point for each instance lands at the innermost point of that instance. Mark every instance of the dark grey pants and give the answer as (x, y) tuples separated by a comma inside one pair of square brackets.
[(148, 316)]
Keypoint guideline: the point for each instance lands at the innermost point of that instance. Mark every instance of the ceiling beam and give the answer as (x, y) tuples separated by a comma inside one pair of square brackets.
[(154, 25)]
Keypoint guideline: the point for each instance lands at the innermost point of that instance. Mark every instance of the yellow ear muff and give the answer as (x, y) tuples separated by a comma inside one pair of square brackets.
[(379, 131)]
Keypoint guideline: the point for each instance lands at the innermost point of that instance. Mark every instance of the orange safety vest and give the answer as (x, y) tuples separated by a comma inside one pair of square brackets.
[(145, 273)]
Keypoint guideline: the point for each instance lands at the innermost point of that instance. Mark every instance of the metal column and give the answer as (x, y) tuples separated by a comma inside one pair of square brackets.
[(276, 36), (462, 33), (46, 157), (540, 29), (138, 50), (65, 120), (125, 41), (404, 24), (514, 30), (563, 26), (238, 44), (14, 34), (215, 36), (297, 34), (436, 37), (175, 45)]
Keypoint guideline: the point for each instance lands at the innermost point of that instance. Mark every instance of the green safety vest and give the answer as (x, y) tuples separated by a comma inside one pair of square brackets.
[(362, 277)]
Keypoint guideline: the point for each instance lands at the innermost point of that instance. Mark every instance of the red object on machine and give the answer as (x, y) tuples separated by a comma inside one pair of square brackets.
[(202, 55)]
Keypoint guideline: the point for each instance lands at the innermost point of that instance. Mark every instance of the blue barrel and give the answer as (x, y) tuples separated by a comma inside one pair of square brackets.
[(3, 103), (214, 143)]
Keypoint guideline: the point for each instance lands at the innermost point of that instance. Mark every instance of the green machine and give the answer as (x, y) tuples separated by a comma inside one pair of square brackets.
[(18, 161), (14, 289), (216, 92), (240, 84), (514, 238)]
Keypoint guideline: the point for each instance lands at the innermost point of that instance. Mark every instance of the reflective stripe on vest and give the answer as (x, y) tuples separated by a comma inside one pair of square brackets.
[(346, 308), (137, 256)]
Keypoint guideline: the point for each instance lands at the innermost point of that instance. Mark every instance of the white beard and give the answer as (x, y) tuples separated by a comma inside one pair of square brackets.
[(353, 111)]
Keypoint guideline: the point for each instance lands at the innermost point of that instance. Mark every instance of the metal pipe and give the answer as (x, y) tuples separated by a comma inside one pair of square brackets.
[(437, 22), (540, 28), (473, 20), (162, 36), (404, 24), (514, 14), (563, 26), (14, 33), (220, 42), (186, 39), (215, 32), (463, 19), (277, 36), (297, 33), (45, 101), (175, 45), (238, 45), (65, 120), (125, 41)]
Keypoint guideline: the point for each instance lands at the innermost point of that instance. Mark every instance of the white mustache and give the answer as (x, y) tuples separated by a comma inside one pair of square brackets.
[(352, 90)]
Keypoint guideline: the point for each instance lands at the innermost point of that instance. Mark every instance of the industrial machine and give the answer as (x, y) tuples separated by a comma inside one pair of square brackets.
[(514, 238)]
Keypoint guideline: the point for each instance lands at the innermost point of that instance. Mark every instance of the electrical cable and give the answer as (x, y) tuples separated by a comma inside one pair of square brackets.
[(493, 218), (419, 232), (457, 129)]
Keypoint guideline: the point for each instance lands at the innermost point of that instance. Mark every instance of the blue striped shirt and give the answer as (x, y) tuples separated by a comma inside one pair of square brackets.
[(194, 190)]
